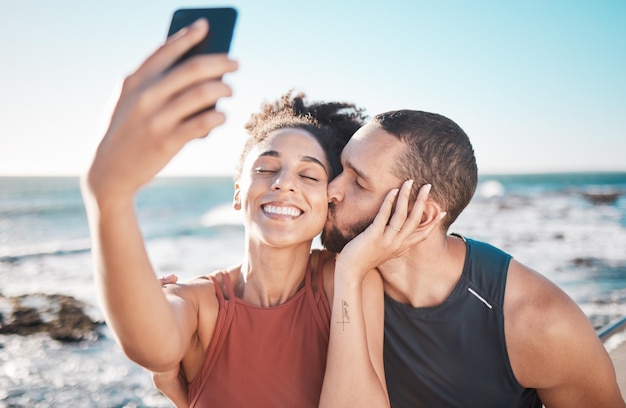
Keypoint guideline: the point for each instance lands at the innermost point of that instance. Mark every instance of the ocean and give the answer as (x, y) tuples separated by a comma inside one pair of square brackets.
[(570, 227)]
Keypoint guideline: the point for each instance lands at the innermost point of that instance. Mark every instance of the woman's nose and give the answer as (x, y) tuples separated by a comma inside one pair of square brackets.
[(284, 181)]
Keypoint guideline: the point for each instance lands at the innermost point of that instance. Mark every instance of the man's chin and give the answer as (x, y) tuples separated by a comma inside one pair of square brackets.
[(333, 240)]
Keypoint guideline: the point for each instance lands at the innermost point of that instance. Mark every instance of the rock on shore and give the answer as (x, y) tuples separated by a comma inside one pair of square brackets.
[(61, 316)]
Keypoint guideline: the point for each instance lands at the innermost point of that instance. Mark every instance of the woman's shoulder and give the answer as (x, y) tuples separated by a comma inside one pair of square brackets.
[(215, 277), (199, 289), (197, 293)]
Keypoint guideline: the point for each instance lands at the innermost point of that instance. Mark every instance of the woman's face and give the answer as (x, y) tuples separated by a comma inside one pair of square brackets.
[(282, 188)]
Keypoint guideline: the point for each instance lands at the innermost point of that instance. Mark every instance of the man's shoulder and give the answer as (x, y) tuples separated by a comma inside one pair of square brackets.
[(480, 248), (483, 247), (532, 297), (485, 262), (541, 321)]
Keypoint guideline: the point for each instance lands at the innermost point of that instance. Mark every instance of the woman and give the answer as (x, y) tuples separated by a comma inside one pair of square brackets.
[(256, 334)]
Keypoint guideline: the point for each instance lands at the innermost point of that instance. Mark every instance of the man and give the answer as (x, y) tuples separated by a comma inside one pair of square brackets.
[(465, 324)]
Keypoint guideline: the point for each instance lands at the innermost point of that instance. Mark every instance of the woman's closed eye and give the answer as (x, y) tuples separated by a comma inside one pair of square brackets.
[(309, 177), (262, 170)]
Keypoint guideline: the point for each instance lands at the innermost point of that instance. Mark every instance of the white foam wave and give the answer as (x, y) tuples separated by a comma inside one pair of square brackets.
[(56, 248), (221, 215), (490, 189)]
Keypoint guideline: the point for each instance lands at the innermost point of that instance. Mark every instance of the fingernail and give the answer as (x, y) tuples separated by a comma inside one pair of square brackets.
[(198, 23), (178, 34), (428, 187), (442, 214)]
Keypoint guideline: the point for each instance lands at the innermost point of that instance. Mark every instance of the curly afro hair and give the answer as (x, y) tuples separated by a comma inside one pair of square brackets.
[(331, 123)]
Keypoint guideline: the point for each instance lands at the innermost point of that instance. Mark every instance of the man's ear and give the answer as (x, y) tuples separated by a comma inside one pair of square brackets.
[(237, 198), (431, 214)]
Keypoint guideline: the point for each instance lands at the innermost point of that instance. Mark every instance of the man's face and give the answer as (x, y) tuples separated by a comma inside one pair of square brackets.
[(355, 196)]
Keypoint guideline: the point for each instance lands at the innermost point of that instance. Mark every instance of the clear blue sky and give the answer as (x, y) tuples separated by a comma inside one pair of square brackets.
[(538, 85)]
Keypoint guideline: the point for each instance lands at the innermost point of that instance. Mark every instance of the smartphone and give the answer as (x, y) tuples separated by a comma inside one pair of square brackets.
[(221, 28)]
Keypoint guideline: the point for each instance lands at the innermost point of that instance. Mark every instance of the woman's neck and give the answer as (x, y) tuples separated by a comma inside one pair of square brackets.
[(270, 276)]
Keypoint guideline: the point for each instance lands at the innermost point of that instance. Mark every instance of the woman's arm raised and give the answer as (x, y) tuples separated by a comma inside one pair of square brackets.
[(153, 119)]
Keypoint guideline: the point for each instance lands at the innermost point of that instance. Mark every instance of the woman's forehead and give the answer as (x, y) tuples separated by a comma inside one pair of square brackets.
[(289, 142), (290, 138)]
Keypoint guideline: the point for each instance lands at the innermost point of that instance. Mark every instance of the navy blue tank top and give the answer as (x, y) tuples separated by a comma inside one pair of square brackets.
[(454, 354)]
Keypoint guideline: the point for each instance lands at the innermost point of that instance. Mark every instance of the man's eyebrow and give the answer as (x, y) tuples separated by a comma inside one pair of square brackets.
[(309, 159)]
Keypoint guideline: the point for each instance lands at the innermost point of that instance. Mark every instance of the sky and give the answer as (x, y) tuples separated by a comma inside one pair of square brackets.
[(539, 86)]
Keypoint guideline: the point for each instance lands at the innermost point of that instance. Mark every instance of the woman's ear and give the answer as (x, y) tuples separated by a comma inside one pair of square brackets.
[(237, 198)]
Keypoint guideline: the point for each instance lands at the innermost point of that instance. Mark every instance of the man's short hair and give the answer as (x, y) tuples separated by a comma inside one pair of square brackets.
[(438, 152)]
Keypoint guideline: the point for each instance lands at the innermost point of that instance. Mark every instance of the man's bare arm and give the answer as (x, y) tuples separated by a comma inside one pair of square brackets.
[(553, 347)]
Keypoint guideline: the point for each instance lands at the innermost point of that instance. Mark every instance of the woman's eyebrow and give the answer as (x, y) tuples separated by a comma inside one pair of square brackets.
[(312, 159), (271, 153), (307, 159)]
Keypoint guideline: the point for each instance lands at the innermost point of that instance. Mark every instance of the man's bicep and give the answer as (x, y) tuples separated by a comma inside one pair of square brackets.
[(586, 375)]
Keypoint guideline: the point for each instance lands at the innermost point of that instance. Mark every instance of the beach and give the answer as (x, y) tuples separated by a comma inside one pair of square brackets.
[(569, 227)]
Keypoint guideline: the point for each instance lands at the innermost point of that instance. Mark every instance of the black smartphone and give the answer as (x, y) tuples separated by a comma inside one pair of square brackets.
[(221, 28)]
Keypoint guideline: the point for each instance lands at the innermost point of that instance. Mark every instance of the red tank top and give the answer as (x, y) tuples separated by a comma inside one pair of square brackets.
[(265, 357)]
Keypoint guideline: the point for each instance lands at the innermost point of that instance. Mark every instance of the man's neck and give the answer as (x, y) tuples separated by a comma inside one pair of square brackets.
[(425, 275)]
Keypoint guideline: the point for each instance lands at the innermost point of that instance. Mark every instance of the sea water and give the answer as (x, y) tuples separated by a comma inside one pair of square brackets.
[(549, 222)]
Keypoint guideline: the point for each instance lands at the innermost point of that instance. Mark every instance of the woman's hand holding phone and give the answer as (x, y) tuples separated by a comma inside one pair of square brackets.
[(162, 106)]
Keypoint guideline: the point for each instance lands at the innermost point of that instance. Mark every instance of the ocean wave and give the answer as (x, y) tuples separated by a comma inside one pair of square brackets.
[(41, 209), (221, 215), (212, 223), (490, 188), (10, 254)]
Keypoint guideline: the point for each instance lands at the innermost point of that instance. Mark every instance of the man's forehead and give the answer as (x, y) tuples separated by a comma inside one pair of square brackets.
[(366, 131), (363, 139), (372, 152), (372, 140)]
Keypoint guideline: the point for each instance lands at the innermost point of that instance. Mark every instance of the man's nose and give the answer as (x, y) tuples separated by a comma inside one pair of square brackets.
[(335, 192)]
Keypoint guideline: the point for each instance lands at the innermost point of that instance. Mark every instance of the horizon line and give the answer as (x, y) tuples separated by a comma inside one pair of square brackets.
[(191, 175)]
